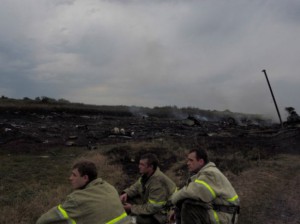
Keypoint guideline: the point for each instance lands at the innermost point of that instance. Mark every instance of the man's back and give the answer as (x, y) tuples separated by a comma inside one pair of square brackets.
[(97, 203)]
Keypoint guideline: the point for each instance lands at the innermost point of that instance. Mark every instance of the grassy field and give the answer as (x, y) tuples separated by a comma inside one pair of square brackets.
[(30, 185)]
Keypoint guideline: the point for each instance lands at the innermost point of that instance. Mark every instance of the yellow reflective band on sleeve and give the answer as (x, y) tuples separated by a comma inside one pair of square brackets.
[(65, 215), (117, 219), (207, 186), (216, 217), (233, 198), (157, 202)]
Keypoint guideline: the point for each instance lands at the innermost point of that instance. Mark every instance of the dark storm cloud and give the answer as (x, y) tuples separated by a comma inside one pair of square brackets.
[(206, 54)]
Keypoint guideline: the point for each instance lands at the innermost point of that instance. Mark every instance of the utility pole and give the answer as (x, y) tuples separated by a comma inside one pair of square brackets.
[(264, 71)]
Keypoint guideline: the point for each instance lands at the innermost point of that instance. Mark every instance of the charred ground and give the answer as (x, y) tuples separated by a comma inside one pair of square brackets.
[(39, 131), (268, 188)]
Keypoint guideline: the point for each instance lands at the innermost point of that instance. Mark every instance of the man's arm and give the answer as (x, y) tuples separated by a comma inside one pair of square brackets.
[(156, 201), (133, 190), (199, 189), (55, 214), (59, 213)]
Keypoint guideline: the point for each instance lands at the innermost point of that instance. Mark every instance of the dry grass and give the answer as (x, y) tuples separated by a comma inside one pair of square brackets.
[(177, 174), (112, 173), (30, 185), (270, 192)]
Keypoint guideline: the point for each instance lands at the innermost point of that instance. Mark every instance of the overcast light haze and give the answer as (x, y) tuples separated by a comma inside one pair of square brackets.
[(207, 54)]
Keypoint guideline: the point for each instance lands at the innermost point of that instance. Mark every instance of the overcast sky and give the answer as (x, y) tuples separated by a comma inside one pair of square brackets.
[(198, 53)]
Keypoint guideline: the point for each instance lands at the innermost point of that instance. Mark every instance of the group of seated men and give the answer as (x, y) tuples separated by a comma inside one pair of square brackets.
[(207, 197)]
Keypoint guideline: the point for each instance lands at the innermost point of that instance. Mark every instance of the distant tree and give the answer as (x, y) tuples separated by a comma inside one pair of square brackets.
[(290, 110), (26, 99), (63, 101), (46, 99), (293, 116)]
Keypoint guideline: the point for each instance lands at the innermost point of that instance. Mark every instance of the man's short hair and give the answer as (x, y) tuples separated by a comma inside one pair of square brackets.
[(151, 159), (86, 167), (201, 153)]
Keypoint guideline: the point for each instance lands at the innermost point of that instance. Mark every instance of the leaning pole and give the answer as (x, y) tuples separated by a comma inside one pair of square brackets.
[(264, 71)]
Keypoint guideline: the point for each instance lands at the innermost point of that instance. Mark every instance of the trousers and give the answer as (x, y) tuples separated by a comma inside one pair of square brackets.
[(191, 212)]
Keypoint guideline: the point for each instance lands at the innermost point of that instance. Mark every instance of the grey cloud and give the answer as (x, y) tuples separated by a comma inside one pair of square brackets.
[(206, 54), (287, 12), (62, 2)]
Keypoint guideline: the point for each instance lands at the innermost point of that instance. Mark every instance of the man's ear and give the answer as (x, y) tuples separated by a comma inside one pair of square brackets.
[(86, 178), (148, 165), (201, 161), (152, 167)]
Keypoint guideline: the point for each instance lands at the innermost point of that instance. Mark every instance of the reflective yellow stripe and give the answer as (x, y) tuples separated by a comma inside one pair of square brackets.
[(207, 186), (233, 198), (65, 215), (157, 202), (117, 219), (216, 217)]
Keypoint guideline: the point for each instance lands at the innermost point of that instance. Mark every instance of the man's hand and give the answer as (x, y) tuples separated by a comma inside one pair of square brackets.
[(127, 207), (123, 198), (171, 216)]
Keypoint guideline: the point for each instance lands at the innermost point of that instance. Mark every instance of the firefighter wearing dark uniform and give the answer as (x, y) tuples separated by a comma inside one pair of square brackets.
[(208, 196), (146, 198), (91, 202)]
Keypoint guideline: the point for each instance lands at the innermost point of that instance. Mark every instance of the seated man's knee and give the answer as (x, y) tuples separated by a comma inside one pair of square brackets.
[(146, 219), (194, 212)]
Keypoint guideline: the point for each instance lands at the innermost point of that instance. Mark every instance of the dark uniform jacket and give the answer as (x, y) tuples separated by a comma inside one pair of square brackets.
[(154, 193)]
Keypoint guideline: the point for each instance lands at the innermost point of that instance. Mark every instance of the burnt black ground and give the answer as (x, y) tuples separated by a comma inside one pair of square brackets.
[(33, 133)]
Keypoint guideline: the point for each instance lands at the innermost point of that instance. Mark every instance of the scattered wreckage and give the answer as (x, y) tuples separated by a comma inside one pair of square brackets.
[(33, 131)]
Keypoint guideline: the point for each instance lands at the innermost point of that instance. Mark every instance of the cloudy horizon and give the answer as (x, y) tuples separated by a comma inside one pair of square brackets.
[(204, 54)]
